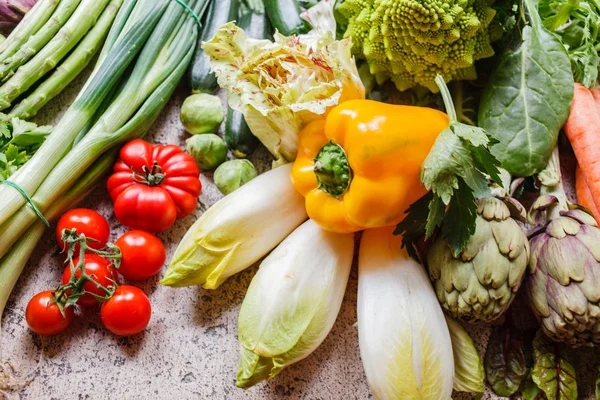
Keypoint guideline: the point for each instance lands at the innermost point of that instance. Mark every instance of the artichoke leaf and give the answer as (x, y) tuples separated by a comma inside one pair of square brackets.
[(504, 362), (552, 372), (469, 375)]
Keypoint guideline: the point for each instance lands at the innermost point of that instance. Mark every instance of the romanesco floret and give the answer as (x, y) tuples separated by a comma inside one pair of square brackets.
[(411, 41)]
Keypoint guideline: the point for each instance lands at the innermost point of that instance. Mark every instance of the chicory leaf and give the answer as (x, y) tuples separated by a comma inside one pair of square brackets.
[(469, 375), (528, 98)]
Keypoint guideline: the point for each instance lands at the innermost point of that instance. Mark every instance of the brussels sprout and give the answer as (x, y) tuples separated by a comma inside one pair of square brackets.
[(208, 150), (233, 174), (202, 113)]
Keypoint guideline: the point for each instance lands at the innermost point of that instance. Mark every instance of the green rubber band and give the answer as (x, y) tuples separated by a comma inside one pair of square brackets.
[(191, 12), (31, 204)]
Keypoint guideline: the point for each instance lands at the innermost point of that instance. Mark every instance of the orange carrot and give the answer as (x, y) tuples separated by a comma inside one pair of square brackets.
[(584, 195), (596, 94), (583, 130)]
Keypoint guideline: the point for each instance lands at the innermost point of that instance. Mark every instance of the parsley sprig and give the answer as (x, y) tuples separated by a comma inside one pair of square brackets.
[(456, 172)]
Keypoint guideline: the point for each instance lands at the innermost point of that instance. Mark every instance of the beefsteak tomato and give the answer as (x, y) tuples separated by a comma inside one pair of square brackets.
[(153, 185)]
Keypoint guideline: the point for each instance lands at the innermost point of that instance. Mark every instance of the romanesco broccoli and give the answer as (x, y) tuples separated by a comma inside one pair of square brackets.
[(411, 41)]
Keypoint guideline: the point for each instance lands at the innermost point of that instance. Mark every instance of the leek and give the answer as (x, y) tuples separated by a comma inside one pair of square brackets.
[(293, 301), (237, 231), (13, 263), (404, 341)]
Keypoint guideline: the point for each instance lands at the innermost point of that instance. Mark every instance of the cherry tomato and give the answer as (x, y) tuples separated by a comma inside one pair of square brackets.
[(101, 271), (143, 255), (152, 185), (44, 318), (88, 222), (127, 312)]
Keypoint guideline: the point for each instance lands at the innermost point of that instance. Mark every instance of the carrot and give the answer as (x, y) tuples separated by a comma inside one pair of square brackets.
[(583, 130), (584, 195), (596, 94)]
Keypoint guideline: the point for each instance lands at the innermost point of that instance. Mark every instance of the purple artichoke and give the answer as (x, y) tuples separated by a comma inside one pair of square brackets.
[(563, 286), (12, 12)]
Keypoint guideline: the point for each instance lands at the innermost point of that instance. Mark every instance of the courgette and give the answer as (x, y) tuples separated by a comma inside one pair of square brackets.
[(238, 136), (219, 13), (285, 16)]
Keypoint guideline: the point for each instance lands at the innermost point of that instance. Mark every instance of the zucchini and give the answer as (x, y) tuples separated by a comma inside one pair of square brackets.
[(238, 136), (219, 13), (285, 16)]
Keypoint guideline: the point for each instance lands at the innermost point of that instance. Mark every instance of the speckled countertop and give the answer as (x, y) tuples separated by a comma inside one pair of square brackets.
[(190, 349)]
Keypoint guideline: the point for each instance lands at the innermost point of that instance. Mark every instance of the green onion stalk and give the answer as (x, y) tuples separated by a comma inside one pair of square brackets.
[(82, 20), (81, 113), (13, 263), (37, 42), (70, 68), (157, 71), (31, 23)]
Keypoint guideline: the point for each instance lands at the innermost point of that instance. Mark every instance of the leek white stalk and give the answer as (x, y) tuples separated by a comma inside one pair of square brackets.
[(404, 340), (237, 231), (293, 301)]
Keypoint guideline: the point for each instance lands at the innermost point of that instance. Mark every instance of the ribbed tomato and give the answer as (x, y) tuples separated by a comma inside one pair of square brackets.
[(153, 185)]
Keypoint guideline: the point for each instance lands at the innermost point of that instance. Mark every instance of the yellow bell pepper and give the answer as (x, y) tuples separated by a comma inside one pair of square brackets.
[(359, 167)]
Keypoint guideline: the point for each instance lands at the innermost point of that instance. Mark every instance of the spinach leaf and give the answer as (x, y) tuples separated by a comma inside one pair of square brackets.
[(552, 372), (504, 362), (528, 98)]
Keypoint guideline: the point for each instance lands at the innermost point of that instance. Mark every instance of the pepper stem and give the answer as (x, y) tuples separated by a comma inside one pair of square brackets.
[(551, 181), (332, 170)]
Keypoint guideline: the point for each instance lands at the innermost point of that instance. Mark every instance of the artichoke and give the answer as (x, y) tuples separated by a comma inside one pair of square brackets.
[(563, 286), (481, 281)]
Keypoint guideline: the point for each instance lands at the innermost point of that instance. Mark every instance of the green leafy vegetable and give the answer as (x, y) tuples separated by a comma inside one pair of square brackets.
[(504, 362), (577, 23), (18, 141), (527, 99), (551, 372), (456, 171), (469, 375), (529, 390)]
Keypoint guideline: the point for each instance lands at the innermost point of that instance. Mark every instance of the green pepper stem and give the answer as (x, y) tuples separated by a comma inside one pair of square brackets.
[(332, 170), (447, 97)]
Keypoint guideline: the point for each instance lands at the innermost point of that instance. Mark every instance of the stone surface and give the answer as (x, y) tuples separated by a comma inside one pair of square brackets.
[(190, 349)]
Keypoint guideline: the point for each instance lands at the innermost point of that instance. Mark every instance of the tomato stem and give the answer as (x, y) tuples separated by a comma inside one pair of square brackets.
[(150, 177)]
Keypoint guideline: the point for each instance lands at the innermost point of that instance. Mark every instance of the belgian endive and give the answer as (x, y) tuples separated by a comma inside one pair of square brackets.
[(404, 341), (293, 301), (237, 231)]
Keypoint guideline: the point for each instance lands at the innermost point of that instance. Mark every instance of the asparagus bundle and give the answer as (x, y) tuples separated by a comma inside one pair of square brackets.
[(65, 32), (153, 41)]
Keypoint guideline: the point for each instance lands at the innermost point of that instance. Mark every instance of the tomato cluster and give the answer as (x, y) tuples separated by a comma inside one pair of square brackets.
[(91, 275)]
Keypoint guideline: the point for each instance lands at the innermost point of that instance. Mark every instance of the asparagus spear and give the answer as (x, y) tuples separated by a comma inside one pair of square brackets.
[(71, 67), (29, 25), (36, 42), (82, 20), (82, 111), (158, 69)]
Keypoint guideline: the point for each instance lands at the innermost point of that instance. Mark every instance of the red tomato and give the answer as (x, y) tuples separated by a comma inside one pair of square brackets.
[(88, 222), (153, 185), (45, 319), (127, 312), (143, 255), (101, 271)]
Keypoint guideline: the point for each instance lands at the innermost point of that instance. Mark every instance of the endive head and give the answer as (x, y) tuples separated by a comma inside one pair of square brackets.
[(293, 301), (404, 340), (237, 231)]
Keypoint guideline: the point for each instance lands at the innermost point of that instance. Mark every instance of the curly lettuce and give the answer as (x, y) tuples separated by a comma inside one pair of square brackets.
[(283, 85)]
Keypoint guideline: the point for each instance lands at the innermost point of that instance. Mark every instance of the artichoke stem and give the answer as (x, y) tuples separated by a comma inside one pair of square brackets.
[(552, 185)]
